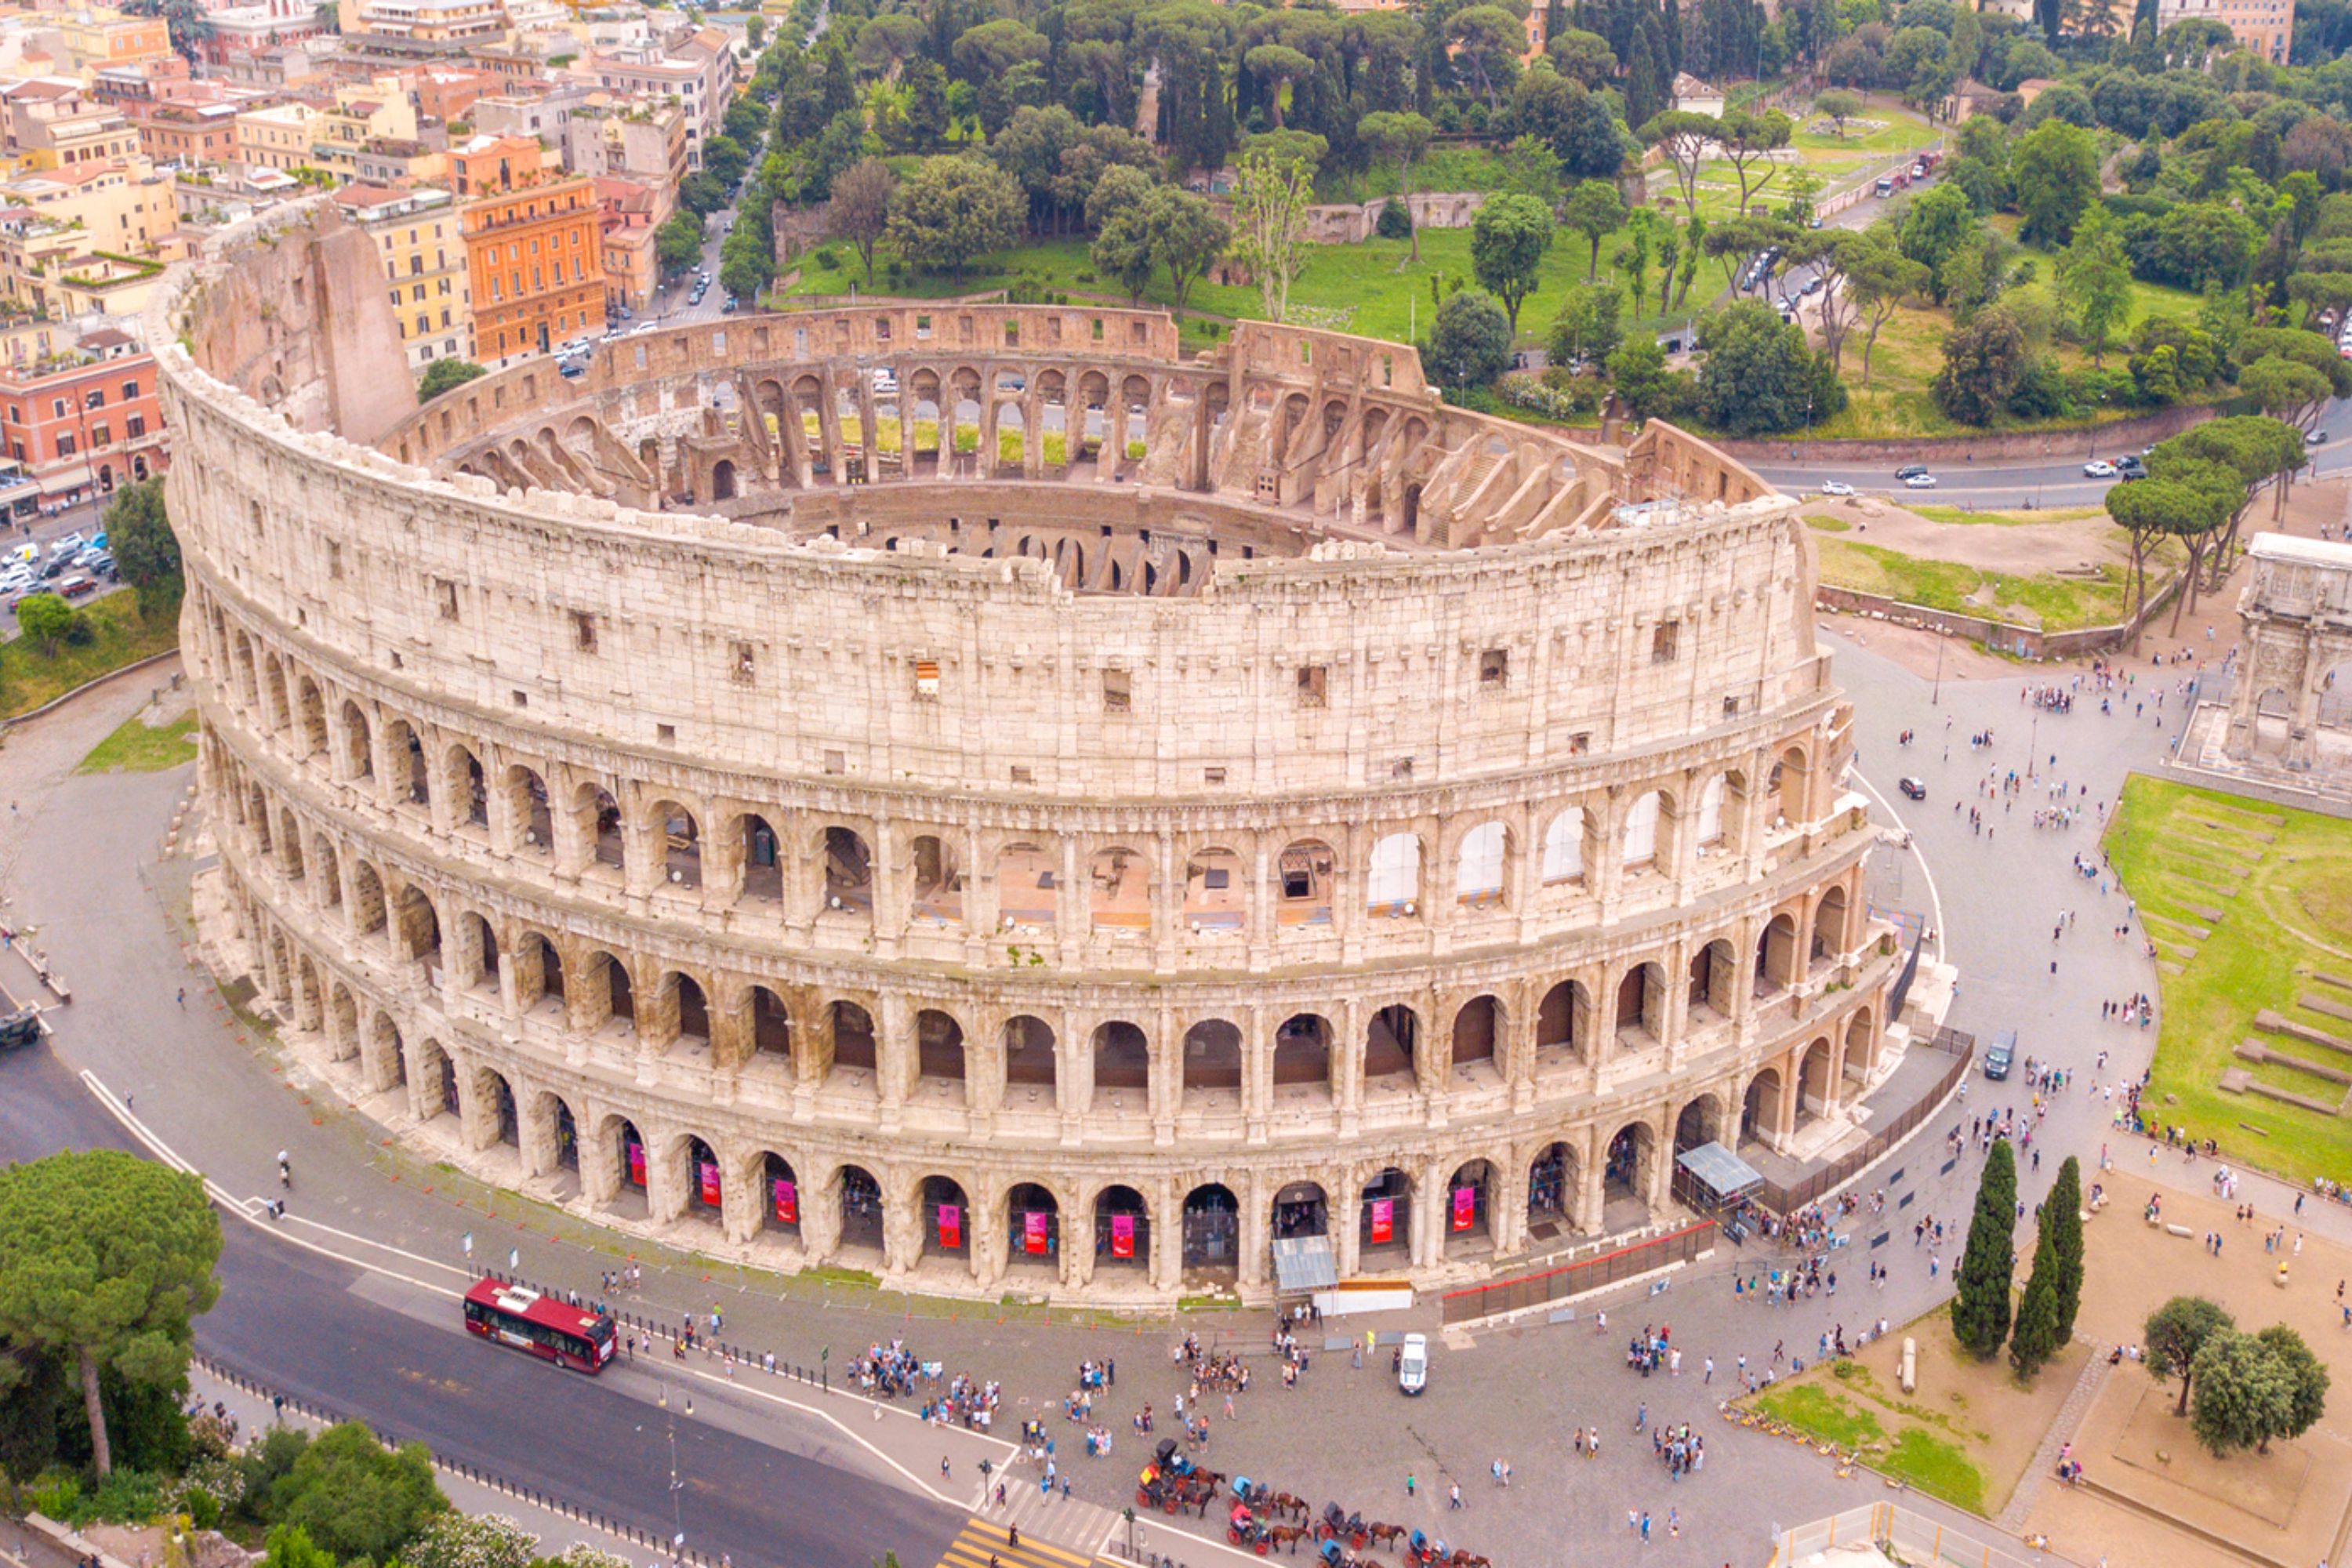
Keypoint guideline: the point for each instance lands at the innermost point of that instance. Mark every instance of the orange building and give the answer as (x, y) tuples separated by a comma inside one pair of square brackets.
[(534, 247)]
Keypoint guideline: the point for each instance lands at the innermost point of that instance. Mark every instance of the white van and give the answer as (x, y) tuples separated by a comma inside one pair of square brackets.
[(1412, 1363)]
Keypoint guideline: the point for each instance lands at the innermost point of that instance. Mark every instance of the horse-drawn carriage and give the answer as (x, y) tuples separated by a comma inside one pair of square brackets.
[(1172, 1482)]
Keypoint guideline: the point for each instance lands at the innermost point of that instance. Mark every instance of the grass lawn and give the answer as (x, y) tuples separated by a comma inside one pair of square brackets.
[(2055, 603), (2282, 881), (1965, 1436), (2004, 519), (1822, 522), (29, 677), (138, 747)]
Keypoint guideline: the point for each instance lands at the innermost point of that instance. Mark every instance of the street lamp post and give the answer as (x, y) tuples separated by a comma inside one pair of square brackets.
[(676, 1486)]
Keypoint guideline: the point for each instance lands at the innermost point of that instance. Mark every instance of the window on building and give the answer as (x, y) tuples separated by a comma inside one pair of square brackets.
[(101, 437), (134, 427), (65, 445)]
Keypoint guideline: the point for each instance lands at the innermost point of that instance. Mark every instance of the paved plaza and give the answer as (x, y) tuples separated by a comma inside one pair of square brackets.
[(104, 904)]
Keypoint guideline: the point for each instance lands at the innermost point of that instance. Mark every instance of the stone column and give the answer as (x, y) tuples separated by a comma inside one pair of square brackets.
[(1592, 1200), (1258, 1074), (1166, 1057), (894, 1055), (1344, 1203), (739, 1199), (666, 1180), (1264, 917), (1256, 1226), (820, 1208)]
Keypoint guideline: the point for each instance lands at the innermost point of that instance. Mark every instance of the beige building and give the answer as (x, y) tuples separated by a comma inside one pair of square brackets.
[(379, 111), (98, 38), (631, 140), (416, 233), (629, 804), (698, 73), (277, 137), (116, 207), (2265, 26)]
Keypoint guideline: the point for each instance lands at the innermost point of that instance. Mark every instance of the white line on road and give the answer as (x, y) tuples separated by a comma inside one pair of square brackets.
[(1935, 899)]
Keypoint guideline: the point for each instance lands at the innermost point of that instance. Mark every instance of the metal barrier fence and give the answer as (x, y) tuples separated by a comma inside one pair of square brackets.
[(619, 1529), (1786, 1200), (1907, 1537), (1576, 1279)]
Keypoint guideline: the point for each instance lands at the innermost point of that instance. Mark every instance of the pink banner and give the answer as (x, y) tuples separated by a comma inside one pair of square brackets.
[(1384, 1221), (950, 1225), (788, 1203), (637, 1164), (710, 1175), (1033, 1230), (1122, 1236), (1465, 1207)]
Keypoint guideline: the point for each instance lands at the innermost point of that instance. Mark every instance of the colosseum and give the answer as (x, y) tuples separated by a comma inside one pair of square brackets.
[(1135, 807)]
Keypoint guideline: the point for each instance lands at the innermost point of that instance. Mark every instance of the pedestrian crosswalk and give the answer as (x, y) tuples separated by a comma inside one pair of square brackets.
[(1076, 1526), (988, 1543)]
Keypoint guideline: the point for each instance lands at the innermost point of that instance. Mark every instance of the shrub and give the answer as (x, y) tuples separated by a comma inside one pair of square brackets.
[(1395, 222), (478, 1541), (826, 260)]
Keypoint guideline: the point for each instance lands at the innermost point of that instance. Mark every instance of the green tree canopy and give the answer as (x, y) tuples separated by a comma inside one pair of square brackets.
[(1470, 343), (2062, 1217), (105, 1258), (138, 532), (1980, 1307), (45, 620), (1596, 211), (1984, 359), (443, 374), (2177, 1330), (954, 210), (1647, 388), (2308, 1377), (860, 209), (677, 244), (1937, 222), (356, 1498), (1508, 238), (2056, 170), (1840, 106), (2094, 282), (1760, 375), (2246, 1393), (1585, 330)]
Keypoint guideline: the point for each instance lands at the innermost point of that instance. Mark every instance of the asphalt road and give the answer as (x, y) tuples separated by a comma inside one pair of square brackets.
[(395, 1356)]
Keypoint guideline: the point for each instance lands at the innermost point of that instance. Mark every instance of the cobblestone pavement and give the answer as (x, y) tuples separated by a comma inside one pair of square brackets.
[(103, 905)]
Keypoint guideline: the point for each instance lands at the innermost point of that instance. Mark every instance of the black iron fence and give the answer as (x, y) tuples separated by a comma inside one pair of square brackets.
[(1785, 1200), (1577, 1279)]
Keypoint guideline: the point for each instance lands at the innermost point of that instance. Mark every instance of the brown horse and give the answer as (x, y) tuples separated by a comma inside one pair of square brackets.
[(1284, 1503), (1287, 1536), (1467, 1560), (1385, 1534)]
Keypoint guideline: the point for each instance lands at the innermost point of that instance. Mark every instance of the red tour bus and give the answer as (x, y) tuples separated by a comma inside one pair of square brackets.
[(539, 1324)]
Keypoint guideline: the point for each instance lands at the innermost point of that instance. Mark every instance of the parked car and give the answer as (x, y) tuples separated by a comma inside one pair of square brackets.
[(1920, 483), (67, 545), (2098, 469), (2000, 1054), (1910, 470), (1912, 788), (78, 586), (2129, 466), (1412, 1363), (571, 370), (729, 307), (2313, 437), (1836, 487)]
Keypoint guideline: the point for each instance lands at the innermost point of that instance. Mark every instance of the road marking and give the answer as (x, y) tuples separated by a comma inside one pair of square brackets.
[(1935, 899), (250, 1211), (981, 1542)]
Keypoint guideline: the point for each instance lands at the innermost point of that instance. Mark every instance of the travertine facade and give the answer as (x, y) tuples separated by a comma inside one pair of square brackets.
[(2286, 711), (1263, 800)]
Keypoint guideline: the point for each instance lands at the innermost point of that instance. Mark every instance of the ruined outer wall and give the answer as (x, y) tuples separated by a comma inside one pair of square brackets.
[(538, 974)]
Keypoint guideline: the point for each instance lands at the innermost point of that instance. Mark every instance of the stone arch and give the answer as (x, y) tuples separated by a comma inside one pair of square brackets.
[(1032, 1062), (1302, 1052), (848, 865), (1698, 1122), (677, 837), (1830, 924), (1384, 1222), (1307, 880), (559, 1134), (1759, 1105), (342, 1022), (1714, 980), (1122, 1064), (1776, 954), (500, 1120), (701, 1179), (309, 995), (359, 748), (1788, 785), (760, 845), (1121, 1228), (433, 1084), (1860, 1055), (943, 1211), (410, 771), (1392, 878), (936, 880), (1640, 1011), (1816, 1078), (539, 974), (479, 944), (1478, 866), (608, 994), (1640, 839), (940, 1049), (722, 481), (1564, 1019), (1466, 1219), (1119, 890), (470, 790), (290, 843), (851, 1028), (598, 817), (1478, 1032), (770, 1033), (1033, 1218), (1627, 1167), (1213, 1057), (862, 1217), (526, 806), (328, 884), (279, 713), (368, 906), (1553, 1175), (683, 999), (1212, 1231), (1393, 1044), (778, 1188), (310, 709), (419, 926), (623, 1147), (1026, 879), (1216, 892), (389, 1067)]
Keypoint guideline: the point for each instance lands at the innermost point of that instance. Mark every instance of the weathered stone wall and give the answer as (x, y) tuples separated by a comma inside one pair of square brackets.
[(1363, 865)]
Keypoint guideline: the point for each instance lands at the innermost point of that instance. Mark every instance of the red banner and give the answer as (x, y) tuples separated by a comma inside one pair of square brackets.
[(788, 1203), (1465, 1207), (1033, 1230), (1122, 1236), (950, 1225), (710, 1175), (637, 1164), (1384, 1221)]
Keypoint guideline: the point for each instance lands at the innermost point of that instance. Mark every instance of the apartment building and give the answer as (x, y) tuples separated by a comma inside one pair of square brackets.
[(81, 413), (417, 236), (2265, 26), (698, 72), (533, 248), (277, 137), (378, 111)]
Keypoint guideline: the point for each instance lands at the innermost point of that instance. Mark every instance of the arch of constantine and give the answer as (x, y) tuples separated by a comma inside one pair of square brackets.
[(974, 793)]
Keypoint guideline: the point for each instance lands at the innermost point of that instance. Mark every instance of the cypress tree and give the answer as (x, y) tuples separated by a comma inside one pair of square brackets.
[(2062, 1221), (2035, 1339), (1980, 1309)]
